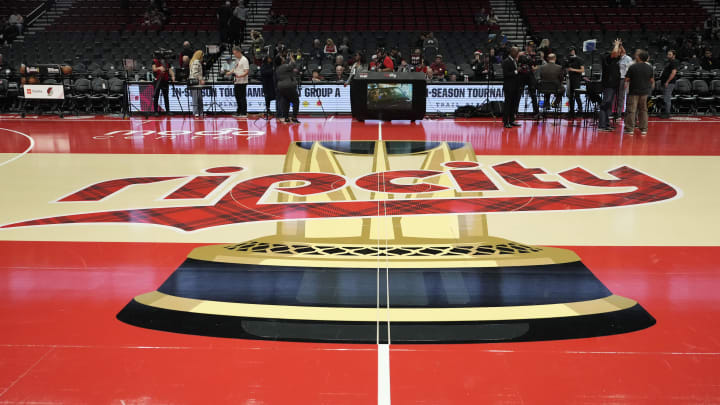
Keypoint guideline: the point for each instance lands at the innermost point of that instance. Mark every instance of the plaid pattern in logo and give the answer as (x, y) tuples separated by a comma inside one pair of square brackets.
[(242, 203)]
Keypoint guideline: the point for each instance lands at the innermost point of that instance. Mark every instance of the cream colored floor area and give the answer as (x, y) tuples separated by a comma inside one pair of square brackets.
[(32, 184)]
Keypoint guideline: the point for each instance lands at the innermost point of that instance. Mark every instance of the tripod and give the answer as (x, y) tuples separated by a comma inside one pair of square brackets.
[(490, 72), (177, 97), (214, 105), (128, 65)]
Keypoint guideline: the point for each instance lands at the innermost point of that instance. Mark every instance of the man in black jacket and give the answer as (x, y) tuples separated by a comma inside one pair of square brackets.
[(610, 84), (511, 88), (527, 65), (287, 87)]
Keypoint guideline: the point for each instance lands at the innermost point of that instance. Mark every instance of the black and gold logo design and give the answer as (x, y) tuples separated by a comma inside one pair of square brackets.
[(426, 278)]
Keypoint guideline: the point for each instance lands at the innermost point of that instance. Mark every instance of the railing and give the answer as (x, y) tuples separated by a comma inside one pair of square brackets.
[(517, 20), (38, 12)]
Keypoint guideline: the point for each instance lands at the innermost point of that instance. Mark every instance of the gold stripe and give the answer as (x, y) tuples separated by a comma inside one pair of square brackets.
[(603, 305), (219, 253)]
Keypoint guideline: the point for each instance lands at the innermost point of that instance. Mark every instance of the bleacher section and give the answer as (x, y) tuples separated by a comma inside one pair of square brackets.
[(596, 15), (380, 15), (23, 7), (99, 15), (98, 33)]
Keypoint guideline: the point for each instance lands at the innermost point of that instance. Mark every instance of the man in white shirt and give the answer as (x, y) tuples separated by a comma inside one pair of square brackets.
[(625, 62), (240, 72)]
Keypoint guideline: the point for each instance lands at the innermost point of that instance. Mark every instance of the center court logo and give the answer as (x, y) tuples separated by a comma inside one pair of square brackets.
[(406, 193), (372, 262)]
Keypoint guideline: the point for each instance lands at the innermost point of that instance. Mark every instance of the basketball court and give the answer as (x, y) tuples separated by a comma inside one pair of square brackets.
[(224, 260)]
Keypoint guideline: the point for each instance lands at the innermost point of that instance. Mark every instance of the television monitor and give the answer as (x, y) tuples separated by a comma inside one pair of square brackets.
[(394, 96)]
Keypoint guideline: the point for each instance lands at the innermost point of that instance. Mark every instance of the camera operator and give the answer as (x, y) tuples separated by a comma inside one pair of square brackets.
[(576, 69), (527, 65), (267, 76), (287, 87), (196, 78), (163, 74)]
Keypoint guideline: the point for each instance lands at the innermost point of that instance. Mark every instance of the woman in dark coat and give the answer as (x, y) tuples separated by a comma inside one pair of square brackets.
[(267, 76)]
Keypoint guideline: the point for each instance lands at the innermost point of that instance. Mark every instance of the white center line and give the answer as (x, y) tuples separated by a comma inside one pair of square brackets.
[(383, 350)]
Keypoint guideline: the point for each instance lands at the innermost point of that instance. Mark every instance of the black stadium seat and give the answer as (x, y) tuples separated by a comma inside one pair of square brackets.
[(704, 96), (685, 97)]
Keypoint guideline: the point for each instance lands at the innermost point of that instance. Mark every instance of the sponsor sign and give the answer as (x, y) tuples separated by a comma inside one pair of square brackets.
[(44, 91), (313, 98), (333, 98)]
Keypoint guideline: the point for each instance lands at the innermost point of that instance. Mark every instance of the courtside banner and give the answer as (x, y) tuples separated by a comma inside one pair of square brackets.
[(333, 98), (313, 98), (44, 91), (446, 98)]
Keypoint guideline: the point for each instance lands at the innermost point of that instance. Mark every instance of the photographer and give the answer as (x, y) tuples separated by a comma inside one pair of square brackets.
[(287, 88), (267, 76), (196, 78), (163, 74), (527, 65)]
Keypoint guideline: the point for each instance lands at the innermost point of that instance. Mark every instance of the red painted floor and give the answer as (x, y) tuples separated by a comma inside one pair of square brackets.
[(61, 342)]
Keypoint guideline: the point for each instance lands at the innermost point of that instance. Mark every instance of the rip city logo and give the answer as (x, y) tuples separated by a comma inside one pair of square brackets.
[(249, 200)]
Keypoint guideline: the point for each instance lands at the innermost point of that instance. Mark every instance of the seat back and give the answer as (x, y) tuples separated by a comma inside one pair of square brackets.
[(117, 86), (99, 86), (82, 86), (716, 87), (683, 87), (700, 88)]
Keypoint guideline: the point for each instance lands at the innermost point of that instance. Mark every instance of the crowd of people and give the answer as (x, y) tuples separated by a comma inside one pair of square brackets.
[(425, 57), (625, 85)]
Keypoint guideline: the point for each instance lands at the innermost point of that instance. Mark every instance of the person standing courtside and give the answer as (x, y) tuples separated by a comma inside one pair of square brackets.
[(576, 69), (240, 72), (163, 73), (610, 84), (668, 77), (196, 74), (511, 88), (641, 81), (287, 87), (624, 62), (527, 65)]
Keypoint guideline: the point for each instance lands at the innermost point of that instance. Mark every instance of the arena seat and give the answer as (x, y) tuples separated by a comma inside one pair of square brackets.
[(377, 15), (595, 15), (23, 7)]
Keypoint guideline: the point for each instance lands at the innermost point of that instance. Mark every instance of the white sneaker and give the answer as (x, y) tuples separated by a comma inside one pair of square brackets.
[(643, 133)]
